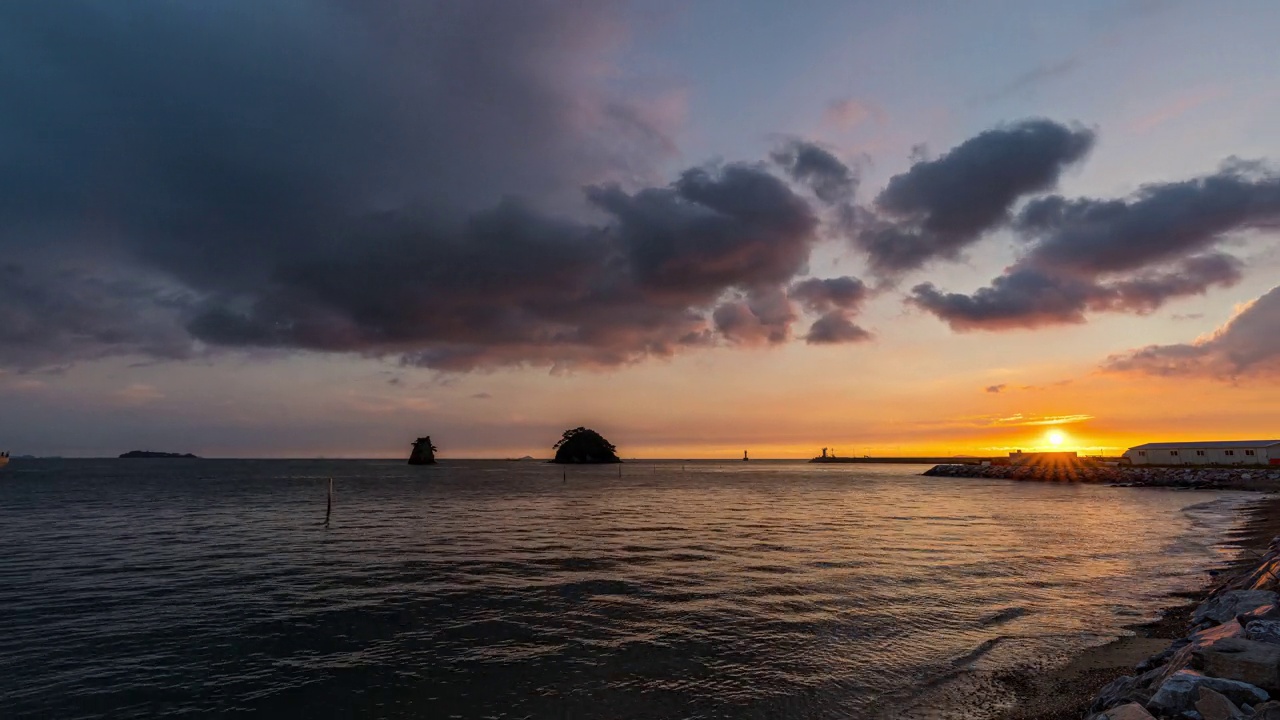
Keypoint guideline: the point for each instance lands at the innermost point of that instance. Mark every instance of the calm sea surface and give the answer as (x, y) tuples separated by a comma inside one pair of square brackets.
[(501, 590)]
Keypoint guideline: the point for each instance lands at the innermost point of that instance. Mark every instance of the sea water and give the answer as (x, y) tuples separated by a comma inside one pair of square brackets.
[(151, 588)]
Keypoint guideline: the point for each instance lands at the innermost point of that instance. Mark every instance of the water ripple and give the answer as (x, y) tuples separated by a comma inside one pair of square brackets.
[(500, 590)]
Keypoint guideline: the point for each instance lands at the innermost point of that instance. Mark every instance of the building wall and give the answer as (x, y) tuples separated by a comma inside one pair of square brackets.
[(1191, 455)]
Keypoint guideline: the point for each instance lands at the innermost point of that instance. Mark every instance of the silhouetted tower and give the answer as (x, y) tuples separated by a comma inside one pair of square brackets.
[(744, 456), (424, 453)]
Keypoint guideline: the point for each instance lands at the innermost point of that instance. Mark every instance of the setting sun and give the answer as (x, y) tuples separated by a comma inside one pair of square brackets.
[(1056, 437)]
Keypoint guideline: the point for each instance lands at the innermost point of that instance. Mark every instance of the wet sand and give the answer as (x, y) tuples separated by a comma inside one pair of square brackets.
[(1065, 693)]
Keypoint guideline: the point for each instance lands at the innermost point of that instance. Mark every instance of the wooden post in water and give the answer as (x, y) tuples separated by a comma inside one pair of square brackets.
[(328, 510)]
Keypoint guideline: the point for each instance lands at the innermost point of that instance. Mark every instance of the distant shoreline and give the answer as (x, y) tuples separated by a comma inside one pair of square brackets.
[(151, 455)]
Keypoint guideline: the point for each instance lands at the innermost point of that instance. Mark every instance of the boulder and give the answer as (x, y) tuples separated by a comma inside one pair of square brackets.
[(1213, 705), (1227, 605), (1262, 612), (1180, 691), (1267, 631), (1123, 689), (1267, 711), (1186, 647), (1257, 663)]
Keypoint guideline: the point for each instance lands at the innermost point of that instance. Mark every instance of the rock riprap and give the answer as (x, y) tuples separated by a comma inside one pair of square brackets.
[(1125, 475), (1227, 668)]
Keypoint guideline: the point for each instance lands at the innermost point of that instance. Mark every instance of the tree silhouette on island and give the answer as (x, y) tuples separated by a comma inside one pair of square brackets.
[(424, 453), (584, 446)]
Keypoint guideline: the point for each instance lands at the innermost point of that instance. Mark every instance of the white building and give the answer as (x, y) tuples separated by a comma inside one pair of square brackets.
[(1230, 452)]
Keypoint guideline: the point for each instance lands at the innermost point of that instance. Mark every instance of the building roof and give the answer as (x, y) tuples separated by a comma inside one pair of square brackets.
[(1207, 445)]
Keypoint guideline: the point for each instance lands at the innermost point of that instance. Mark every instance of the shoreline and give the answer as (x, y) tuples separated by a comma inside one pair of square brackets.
[(1066, 692)]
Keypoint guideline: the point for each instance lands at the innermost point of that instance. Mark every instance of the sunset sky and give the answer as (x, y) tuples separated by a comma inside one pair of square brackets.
[(247, 229)]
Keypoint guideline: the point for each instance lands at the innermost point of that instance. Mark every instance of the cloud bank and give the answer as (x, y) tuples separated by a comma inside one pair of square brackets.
[(1134, 254), (390, 179), (476, 185), (1248, 345), (939, 207)]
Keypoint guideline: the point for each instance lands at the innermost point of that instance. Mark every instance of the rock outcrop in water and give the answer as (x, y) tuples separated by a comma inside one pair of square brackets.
[(424, 453), (584, 446), (148, 454)]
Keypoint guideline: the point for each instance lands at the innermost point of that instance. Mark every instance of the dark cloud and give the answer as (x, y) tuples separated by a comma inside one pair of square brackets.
[(1125, 255), (513, 286), (837, 301), (738, 225), (482, 396), (1020, 299), (938, 207), (835, 327), (819, 295), (1026, 297), (1144, 292), (331, 177), (1248, 345), (1161, 222), (996, 388), (57, 318), (829, 178), (763, 317)]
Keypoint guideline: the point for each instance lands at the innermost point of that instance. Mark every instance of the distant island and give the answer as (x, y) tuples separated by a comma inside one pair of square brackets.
[(424, 453), (135, 454), (584, 446)]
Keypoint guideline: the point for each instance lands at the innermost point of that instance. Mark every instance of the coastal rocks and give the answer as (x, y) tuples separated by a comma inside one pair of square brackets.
[(1226, 669), (1187, 648), (1128, 689), (1267, 711), (1256, 663), (1264, 575), (1267, 631), (1229, 604), (1181, 690), (1213, 705), (1086, 471)]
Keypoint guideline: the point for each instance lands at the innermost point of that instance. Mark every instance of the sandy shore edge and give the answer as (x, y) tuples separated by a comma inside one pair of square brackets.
[(1065, 693)]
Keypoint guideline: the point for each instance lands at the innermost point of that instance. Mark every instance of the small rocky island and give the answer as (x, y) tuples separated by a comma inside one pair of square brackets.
[(424, 453), (135, 454), (584, 446)]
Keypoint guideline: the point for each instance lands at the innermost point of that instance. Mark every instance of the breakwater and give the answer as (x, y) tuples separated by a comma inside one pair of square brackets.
[(1214, 478)]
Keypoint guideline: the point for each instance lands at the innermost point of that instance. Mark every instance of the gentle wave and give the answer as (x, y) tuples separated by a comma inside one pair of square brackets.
[(504, 590)]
